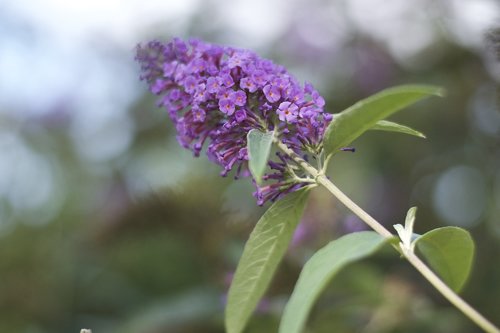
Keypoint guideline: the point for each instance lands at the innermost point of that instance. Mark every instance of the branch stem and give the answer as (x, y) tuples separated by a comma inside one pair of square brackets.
[(449, 294)]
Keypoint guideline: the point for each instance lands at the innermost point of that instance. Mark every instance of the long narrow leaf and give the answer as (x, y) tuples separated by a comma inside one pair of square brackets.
[(389, 126), (263, 252), (320, 270), (357, 119)]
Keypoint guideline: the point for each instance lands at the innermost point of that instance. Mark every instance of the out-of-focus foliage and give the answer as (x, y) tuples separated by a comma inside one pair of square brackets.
[(106, 223)]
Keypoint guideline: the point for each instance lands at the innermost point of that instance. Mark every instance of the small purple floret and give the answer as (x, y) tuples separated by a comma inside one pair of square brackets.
[(272, 93), (226, 105), (288, 112), (239, 98), (240, 115)]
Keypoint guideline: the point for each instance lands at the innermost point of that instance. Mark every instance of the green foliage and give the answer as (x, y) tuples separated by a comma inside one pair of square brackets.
[(362, 116), (64, 264), (263, 252), (450, 252), (259, 146), (320, 269), (389, 126)]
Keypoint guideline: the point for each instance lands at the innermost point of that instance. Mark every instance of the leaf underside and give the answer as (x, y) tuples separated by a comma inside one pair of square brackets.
[(263, 252), (259, 147), (389, 126)]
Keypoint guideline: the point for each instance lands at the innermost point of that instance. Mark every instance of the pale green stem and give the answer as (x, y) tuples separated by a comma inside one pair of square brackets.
[(449, 294), (456, 300)]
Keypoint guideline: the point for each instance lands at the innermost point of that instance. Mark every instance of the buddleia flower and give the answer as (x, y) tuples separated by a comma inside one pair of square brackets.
[(215, 95)]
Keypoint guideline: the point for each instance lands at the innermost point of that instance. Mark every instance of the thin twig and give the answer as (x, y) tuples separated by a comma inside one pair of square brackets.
[(449, 294)]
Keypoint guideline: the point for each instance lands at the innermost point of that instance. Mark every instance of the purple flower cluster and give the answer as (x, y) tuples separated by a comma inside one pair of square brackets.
[(215, 95)]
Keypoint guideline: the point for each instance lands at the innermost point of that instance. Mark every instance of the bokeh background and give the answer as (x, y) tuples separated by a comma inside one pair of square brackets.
[(106, 223)]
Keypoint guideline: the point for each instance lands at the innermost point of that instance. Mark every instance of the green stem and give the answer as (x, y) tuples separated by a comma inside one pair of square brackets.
[(449, 294), (374, 224), (456, 300)]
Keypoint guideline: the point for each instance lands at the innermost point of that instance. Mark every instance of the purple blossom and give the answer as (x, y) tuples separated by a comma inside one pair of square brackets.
[(296, 95), (308, 111), (158, 86), (272, 93), (197, 66), (280, 82), (287, 112), (213, 85), (238, 59), (226, 105), (240, 115), (239, 98), (199, 115), (215, 95), (308, 88), (247, 83), (227, 80), (259, 77), (318, 99), (201, 94), (169, 68), (224, 93), (190, 84)]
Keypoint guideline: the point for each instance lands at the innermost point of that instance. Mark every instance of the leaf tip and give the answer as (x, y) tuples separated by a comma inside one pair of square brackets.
[(435, 90), (440, 92)]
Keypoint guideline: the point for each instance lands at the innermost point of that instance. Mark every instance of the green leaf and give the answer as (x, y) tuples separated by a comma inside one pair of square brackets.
[(320, 269), (357, 119), (450, 252), (259, 147), (389, 126), (263, 252)]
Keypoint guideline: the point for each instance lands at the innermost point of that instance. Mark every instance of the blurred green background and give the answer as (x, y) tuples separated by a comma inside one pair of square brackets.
[(105, 223)]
